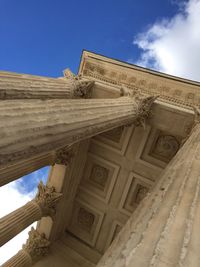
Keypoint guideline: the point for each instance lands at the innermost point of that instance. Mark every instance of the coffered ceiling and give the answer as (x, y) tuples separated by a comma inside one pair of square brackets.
[(112, 172)]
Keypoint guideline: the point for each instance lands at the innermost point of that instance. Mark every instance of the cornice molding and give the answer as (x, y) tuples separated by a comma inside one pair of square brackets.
[(171, 91)]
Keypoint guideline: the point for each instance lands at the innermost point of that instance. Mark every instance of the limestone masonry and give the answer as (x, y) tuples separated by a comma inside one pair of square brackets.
[(123, 143)]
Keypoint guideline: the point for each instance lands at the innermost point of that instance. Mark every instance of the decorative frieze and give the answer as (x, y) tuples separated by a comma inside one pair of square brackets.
[(148, 84)]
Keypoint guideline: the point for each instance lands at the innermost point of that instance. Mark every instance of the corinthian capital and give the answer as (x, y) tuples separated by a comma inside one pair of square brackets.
[(47, 198), (82, 87), (64, 156), (144, 109), (36, 245)]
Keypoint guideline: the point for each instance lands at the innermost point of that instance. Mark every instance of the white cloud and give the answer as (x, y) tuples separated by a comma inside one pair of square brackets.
[(13, 196), (11, 199), (173, 45)]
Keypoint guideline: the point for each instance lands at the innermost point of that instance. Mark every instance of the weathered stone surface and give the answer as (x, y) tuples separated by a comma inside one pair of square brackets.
[(22, 86), (35, 248), (33, 127), (163, 229), (43, 205)]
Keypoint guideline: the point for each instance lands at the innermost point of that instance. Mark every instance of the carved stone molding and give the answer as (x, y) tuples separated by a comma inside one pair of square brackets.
[(85, 219), (47, 198), (99, 175), (144, 109), (82, 88), (136, 82), (36, 245), (63, 156), (85, 222), (165, 147)]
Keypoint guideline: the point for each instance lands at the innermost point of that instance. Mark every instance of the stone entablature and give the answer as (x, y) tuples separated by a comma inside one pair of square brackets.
[(180, 92)]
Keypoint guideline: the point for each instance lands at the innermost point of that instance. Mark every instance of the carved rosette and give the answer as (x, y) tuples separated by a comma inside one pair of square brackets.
[(144, 109), (63, 156), (47, 198), (166, 147), (36, 245), (82, 88)]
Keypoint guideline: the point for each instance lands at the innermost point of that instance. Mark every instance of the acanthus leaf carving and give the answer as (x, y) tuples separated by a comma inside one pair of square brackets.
[(63, 156), (143, 109), (47, 198), (36, 245), (82, 87)]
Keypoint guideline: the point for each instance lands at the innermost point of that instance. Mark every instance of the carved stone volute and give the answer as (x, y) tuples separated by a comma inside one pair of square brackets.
[(36, 245), (144, 109), (47, 199), (82, 88)]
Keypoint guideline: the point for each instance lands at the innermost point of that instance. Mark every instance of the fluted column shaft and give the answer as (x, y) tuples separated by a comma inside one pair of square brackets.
[(14, 171), (22, 86), (25, 166), (21, 259), (15, 222), (36, 247), (163, 231), (31, 127)]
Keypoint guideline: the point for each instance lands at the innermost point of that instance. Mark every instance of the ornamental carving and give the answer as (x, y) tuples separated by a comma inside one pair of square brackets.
[(164, 88), (82, 88), (85, 219), (99, 175), (141, 193), (144, 109), (64, 156), (166, 147), (36, 245), (47, 198)]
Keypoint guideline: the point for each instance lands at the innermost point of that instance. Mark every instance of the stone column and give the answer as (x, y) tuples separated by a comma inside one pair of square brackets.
[(164, 229), (33, 127), (25, 166), (36, 246), (43, 205), (22, 86)]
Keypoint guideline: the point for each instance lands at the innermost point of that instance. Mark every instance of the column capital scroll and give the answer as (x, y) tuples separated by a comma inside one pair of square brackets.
[(82, 87), (143, 109)]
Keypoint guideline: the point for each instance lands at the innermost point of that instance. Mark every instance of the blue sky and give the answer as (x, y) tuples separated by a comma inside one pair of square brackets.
[(43, 37)]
